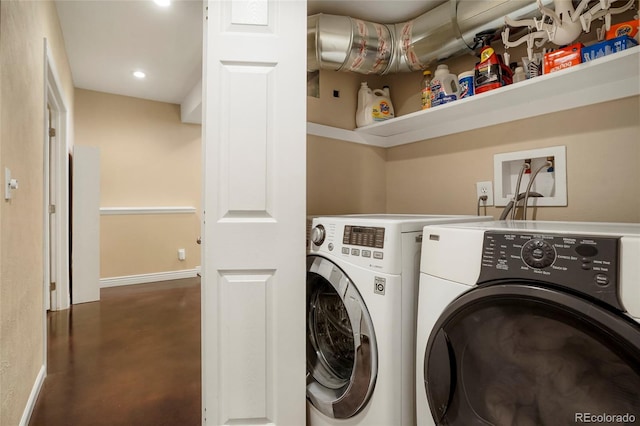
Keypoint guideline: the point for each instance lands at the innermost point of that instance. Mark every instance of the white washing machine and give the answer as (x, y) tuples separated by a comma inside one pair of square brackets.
[(529, 323), (362, 274)]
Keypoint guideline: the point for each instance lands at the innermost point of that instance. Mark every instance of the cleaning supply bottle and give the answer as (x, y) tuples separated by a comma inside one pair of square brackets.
[(465, 80), (444, 86), (519, 75), (425, 89), (381, 106), (364, 98), (491, 72)]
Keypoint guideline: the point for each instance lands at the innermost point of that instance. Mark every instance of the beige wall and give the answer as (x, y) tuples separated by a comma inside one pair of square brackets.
[(23, 27), (603, 164), (148, 158), (341, 111), (342, 177)]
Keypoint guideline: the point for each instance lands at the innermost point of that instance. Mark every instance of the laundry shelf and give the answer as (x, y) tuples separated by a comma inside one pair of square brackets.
[(345, 135), (605, 79)]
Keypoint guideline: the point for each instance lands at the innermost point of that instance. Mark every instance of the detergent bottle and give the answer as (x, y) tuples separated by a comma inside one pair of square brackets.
[(381, 107), (364, 98), (373, 105), (444, 86)]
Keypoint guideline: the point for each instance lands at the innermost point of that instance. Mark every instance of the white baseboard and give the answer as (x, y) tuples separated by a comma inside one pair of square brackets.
[(33, 397), (148, 278)]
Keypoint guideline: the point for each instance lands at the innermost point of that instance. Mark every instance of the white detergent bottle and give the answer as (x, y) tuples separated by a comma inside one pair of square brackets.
[(363, 113), (444, 86), (381, 107)]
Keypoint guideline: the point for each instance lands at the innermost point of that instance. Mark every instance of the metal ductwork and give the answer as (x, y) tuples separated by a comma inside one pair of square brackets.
[(342, 43)]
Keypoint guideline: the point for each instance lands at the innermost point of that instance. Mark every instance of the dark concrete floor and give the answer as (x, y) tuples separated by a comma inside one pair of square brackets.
[(131, 359)]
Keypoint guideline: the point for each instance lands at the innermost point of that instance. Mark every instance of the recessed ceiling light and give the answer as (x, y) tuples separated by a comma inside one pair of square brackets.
[(162, 3), (139, 74)]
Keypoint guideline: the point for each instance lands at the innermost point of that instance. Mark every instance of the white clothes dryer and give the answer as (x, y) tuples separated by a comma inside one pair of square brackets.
[(529, 323), (362, 275)]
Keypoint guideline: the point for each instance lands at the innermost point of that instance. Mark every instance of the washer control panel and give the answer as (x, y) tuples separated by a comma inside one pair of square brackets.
[(373, 246), (538, 253), (366, 236), (370, 239), (588, 264), (318, 235)]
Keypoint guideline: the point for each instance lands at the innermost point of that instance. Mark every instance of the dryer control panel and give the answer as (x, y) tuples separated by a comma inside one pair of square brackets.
[(588, 264)]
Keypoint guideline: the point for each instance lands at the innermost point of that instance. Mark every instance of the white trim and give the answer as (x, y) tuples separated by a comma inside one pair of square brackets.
[(46, 227), (55, 96), (148, 278), (33, 396), (324, 131), (105, 211)]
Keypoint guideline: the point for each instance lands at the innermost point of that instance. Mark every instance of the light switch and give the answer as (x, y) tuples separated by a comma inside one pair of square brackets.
[(9, 184)]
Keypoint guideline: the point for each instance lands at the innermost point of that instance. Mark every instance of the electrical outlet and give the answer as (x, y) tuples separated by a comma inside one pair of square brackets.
[(485, 188)]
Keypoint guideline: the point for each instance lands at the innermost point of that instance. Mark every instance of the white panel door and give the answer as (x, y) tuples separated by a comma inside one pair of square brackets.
[(253, 256), (85, 256)]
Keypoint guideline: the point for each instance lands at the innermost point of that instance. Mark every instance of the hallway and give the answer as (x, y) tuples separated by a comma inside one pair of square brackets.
[(131, 359)]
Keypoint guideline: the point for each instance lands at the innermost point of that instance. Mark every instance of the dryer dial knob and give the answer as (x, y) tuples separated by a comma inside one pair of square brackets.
[(317, 235), (538, 254)]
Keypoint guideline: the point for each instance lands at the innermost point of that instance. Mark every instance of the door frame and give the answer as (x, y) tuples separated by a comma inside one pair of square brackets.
[(55, 99)]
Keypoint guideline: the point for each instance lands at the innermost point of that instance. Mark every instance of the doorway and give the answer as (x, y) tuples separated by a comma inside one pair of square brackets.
[(56, 192)]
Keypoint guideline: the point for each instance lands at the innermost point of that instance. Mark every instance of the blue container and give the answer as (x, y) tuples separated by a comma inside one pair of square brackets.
[(607, 47), (466, 84)]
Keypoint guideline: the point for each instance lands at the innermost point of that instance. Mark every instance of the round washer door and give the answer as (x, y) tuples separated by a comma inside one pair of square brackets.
[(342, 360), (521, 354)]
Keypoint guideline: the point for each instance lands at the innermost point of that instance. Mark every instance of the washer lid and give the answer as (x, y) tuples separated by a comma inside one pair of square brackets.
[(342, 360)]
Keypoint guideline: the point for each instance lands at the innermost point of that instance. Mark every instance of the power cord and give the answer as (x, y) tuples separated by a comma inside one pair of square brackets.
[(482, 198)]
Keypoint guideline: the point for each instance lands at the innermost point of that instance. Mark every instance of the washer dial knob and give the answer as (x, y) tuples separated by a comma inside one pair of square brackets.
[(538, 254), (317, 235)]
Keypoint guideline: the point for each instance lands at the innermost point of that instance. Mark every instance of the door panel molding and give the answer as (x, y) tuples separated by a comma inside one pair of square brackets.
[(250, 177), (246, 333)]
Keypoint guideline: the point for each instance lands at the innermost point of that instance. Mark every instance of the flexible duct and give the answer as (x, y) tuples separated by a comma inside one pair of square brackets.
[(343, 43)]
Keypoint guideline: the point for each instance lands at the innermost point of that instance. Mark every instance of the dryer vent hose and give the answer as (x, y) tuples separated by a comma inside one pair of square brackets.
[(342, 43)]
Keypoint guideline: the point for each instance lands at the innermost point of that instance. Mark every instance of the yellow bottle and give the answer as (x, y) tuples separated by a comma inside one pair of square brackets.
[(425, 89)]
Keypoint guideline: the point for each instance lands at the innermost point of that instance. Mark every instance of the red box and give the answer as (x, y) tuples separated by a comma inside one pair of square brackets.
[(562, 58), (629, 28)]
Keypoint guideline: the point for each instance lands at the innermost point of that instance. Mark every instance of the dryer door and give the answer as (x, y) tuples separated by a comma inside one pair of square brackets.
[(342, 360), (521, 354)]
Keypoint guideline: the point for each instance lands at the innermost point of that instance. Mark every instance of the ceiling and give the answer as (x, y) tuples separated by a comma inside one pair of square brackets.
[(106, 40), (381, 11)]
